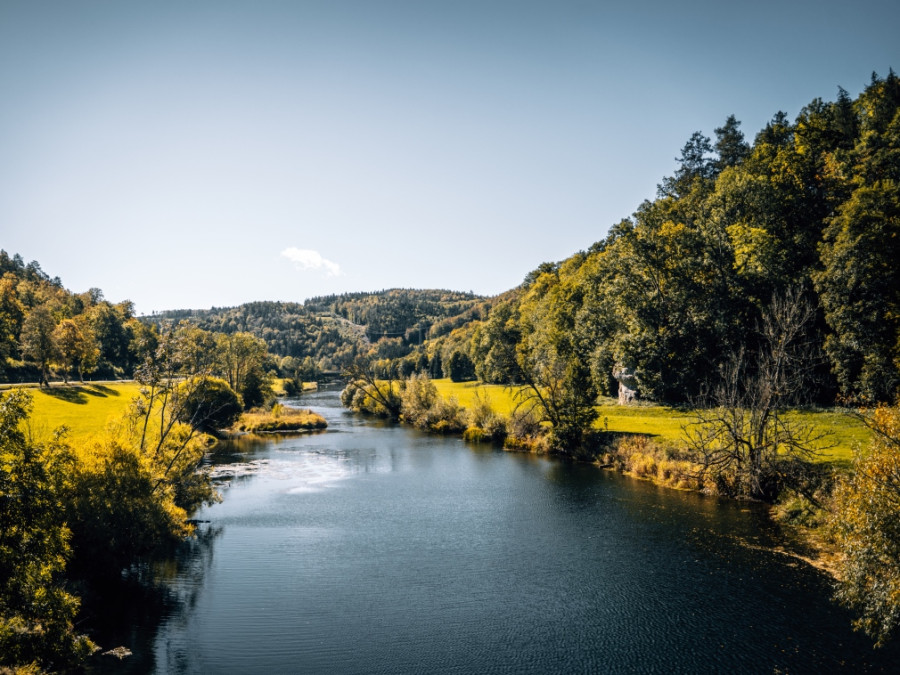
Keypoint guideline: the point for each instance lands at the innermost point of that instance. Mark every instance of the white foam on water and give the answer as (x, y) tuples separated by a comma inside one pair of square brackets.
[(308, 471)]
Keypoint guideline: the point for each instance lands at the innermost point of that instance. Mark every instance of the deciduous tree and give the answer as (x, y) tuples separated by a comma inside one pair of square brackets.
[(36, 612), (38, 343), (866, 527)]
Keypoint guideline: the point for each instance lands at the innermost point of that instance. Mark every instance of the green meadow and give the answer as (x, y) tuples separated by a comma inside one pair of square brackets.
[(841, 431), (85, 409)]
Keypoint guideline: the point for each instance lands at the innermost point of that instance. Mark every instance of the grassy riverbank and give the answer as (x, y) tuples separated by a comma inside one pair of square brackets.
[(279, 420), (86, 410), (840, 430)]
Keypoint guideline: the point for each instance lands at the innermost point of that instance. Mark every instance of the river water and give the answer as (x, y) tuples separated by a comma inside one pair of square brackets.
[(373, 548)]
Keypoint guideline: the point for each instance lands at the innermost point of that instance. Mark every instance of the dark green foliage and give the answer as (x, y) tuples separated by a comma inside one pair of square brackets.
[(695, 167), (730, 144), (860, 291), (460, 367), (256, 389), (37, 340), (209, 404)]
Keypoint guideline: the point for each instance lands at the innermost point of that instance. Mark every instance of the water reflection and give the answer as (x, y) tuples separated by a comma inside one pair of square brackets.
[(129, 611), (379, 549)]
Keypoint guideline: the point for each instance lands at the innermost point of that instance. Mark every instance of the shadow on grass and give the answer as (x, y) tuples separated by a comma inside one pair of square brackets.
[(79, 393), (100, 390)]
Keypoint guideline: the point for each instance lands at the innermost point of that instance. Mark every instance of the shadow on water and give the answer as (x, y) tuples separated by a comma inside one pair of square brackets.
[(128, 611)]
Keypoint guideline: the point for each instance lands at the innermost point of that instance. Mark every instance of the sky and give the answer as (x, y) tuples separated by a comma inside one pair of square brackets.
[(198, 153)]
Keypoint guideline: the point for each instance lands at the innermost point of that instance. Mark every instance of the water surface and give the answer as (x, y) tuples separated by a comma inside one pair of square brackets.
[(372, 548)]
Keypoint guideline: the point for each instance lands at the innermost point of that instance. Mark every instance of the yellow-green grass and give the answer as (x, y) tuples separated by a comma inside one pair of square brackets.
[(84, 409), (280, 419), (501, 398), (840, 430), (279, 382)]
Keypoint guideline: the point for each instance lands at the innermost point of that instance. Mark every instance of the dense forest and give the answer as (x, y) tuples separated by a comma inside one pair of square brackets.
[(809, 210), (334, 330)]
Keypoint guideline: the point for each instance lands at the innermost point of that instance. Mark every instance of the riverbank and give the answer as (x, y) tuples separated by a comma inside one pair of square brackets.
[(488, 413), (438, 554)]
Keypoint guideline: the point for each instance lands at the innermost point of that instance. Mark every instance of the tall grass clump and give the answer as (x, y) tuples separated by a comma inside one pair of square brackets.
[(483, 424), (422, 407), (649, 459)]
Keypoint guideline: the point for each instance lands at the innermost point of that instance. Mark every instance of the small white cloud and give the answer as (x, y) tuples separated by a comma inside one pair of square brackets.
[(306, 259)]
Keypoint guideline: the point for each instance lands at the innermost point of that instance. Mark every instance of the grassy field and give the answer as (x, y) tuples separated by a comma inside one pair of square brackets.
[(843, 431), (84, 409)]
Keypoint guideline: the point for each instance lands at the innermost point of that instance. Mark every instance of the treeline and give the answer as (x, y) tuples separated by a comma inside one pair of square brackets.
[(809, 210), (328, 333), (397, 313), (44, 327), (288, 329)]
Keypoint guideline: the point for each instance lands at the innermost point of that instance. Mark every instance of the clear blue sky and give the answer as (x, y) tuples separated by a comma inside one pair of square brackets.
[(191, 154)]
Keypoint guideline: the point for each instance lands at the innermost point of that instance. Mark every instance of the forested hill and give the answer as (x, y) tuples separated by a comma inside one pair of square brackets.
[(333, 329), (739, 243)]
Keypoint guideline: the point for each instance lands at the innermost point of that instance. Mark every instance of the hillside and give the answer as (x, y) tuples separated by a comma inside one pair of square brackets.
[(333, 329)]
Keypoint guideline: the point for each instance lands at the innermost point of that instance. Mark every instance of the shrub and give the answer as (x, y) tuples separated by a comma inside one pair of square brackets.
[(644, 457), (208, 404), (418, 398), (475, 435)]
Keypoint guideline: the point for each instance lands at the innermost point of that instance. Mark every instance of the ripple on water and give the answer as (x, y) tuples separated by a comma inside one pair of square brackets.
[(308, 471)]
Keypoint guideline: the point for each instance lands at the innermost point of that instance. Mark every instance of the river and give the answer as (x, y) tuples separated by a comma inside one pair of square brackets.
[(373, 548)]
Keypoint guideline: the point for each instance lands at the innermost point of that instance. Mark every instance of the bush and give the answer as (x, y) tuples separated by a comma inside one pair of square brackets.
[(418, 398), (371, 398), (644, 457), (256, 390), (208, 404)]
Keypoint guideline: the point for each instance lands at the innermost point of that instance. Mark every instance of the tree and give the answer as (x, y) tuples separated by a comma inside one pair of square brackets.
[(36, 613), (494, 344), (667, 285), (256, 389), (859, 287), (208, 404), (694, 165), (135, 486), (12, 313), (239, 354), (866, 529), (38, 343), (743, 441), (730, 144), (553, 360), (76, 346), (460, 367), (108, 325), (365, 391)]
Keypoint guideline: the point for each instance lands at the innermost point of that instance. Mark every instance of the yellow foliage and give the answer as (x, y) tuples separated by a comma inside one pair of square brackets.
[(866, 529)]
